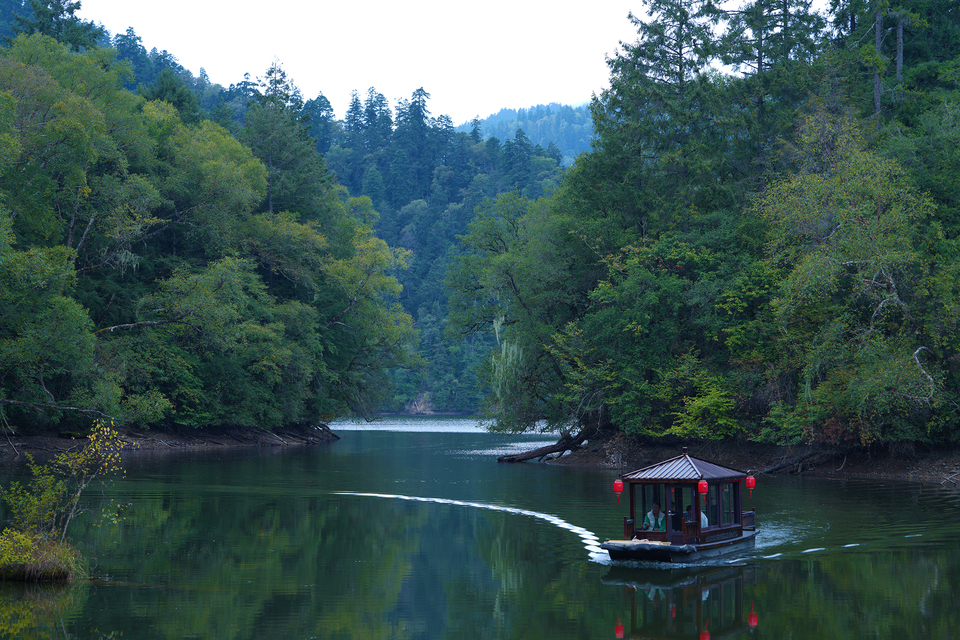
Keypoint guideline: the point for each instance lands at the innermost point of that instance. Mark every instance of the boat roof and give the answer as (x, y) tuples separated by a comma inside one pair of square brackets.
[(683, 468)]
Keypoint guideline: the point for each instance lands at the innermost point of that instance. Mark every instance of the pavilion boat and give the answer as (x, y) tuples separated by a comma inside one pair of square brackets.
[(702, 512)]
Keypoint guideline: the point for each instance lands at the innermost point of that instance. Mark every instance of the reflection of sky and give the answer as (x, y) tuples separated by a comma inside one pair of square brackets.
[(416, 424)]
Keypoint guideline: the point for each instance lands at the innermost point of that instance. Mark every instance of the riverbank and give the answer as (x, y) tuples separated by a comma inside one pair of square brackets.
[(13, 445), (913, 462)]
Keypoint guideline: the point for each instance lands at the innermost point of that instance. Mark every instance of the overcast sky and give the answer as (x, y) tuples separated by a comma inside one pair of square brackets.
[(473, 59)]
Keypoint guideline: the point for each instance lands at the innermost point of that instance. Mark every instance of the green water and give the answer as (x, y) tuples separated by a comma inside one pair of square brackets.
[(417, 532)]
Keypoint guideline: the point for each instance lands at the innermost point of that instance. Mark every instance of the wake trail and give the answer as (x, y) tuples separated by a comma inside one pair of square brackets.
[(590, 541)]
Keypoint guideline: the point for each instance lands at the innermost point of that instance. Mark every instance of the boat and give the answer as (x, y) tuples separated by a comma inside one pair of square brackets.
[(700, 512)]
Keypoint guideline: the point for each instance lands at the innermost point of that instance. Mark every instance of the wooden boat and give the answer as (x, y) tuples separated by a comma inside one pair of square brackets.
[(702, 509)]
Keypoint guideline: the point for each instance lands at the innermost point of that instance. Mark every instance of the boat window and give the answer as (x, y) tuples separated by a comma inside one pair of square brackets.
[(726, 503), (684, 497), (650, 493)]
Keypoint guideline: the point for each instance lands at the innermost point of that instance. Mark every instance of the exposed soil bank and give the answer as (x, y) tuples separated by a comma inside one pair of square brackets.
[(12, 445), (915, 462)]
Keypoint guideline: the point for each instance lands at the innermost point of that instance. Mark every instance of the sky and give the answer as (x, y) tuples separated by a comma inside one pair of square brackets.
[(473, 59)]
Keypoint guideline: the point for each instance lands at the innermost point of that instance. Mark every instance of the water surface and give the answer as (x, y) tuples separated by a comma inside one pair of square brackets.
[(411, 529)]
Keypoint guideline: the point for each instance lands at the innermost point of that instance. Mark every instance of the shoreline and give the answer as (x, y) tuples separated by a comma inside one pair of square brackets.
[(16, 445), (924, 464)]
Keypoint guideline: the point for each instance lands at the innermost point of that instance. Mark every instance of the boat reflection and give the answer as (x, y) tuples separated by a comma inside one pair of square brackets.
[(690, 602)]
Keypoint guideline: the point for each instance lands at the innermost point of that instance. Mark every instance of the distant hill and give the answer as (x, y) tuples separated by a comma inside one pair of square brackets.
[(569, 128)]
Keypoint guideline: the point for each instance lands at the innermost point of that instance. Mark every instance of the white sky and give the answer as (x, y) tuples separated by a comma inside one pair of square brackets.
[(473, 59)]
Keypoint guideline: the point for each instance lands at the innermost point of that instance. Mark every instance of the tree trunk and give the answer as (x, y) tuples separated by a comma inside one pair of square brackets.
[(566, 443)]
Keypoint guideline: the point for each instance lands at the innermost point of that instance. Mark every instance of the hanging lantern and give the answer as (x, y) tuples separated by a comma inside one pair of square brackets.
[(702, 486), (704, 635), (751, 483), (752, 619), (618, 488), (618, 630)]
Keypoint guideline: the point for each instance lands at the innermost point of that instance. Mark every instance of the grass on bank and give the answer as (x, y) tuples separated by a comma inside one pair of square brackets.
[(26, 557)]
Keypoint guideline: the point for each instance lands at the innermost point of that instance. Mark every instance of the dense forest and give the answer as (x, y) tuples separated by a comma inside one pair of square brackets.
[(569, 129), (157, 268), (769, 252), (761, 240), (408, 177)]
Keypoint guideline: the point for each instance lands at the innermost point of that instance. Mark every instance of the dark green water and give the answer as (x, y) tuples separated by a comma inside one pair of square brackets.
[(413, 534)]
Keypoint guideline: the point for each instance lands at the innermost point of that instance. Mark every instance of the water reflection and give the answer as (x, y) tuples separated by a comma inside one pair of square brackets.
[(446, 543), (30, 611), (690, 602)]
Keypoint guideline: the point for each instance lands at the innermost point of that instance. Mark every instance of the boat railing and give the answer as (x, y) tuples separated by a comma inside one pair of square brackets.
[(749, 520)]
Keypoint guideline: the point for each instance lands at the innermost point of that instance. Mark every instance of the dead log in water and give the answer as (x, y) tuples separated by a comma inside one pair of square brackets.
[(566, 443)]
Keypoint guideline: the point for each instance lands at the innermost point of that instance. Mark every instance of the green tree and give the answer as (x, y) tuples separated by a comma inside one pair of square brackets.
[(658, 135), (169, 88), (34, 547), (58, 19), (844, 234), (521, 276), (322, 122), (297, 177)]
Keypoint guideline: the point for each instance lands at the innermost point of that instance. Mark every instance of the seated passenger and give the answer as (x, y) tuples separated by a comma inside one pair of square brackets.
[(655, 519), (703, 517)]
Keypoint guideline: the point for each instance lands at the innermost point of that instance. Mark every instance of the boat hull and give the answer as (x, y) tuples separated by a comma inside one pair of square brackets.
[(643, 551)]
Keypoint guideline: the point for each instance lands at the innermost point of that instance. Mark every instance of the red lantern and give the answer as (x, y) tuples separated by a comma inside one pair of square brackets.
[(751, 483), (704, 635), (752, 617), (618, 630), (702, 486), (618, 488)]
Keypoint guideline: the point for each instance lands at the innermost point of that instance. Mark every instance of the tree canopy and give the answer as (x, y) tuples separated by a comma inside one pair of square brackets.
[(161, 271), (767, 253)]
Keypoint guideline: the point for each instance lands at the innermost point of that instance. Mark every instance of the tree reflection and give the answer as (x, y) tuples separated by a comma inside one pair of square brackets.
[(29, 611)]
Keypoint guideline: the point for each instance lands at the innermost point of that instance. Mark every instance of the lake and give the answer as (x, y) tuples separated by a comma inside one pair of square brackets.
[(410, 529)]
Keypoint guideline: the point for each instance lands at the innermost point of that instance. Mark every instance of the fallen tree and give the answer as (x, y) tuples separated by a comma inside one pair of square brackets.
[(566, 443)]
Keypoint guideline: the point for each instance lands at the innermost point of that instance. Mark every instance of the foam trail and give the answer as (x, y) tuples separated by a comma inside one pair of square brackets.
[(590, 540)]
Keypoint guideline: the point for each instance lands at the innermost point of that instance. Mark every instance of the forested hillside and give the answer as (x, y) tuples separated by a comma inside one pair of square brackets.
[(761, 240), (159, 269), (769, 252), (423, 177), (569, 129)]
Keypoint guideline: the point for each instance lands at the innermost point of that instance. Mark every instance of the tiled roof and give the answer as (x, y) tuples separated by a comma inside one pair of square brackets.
[(683, 468)]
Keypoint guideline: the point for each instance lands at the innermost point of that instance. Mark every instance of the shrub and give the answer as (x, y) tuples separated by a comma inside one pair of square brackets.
[(34, 547)]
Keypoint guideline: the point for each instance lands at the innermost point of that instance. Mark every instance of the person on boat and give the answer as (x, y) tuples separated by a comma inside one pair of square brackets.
[(703, 517), (655, 519)]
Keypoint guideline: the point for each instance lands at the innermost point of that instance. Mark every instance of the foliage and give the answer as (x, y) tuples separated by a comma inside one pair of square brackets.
[(562, 128), (161, 271), (58, 19), (34, 547), (762, 262)]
